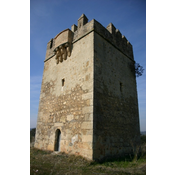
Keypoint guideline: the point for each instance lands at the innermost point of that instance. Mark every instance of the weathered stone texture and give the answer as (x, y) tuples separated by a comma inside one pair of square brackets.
[(68, 107), (91, 95), (116, 120)]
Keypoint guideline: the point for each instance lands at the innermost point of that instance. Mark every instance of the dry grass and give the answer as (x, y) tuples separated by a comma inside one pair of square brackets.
[(48, 163), (51, 163)]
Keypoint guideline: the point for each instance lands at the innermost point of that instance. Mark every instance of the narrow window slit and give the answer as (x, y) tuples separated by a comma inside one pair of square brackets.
[(63, 82), (51, 43), (121, 87)]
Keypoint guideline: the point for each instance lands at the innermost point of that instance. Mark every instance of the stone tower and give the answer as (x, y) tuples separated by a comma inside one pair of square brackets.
[(88, 102)]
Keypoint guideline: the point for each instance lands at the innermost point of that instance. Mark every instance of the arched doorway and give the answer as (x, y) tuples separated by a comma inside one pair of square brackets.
[(57, 140)]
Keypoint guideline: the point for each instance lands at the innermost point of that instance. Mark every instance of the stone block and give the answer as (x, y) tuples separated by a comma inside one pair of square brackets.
[(58, 124), (87, 125), (70, 117), (87, 109), (87, 138)]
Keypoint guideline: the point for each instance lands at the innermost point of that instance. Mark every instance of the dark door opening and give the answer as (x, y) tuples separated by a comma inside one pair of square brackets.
[(57, 140)]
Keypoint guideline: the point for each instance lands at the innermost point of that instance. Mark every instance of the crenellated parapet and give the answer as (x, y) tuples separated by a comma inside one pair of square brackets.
[(61, 45), (110, 33), (114, 36)]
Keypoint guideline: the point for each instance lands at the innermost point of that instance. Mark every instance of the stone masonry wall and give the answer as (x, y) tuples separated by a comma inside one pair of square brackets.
[(116, 120), (69, 107)]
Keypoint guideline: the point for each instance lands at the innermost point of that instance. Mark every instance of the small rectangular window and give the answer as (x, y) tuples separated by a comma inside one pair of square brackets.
[(51, 43), (121, 87), (63, 82)]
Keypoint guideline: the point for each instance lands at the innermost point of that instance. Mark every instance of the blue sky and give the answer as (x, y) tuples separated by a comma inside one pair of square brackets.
[(48, 18)]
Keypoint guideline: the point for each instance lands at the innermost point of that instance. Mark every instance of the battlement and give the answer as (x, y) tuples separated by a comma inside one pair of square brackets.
[(61, 45), (114, 36)]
